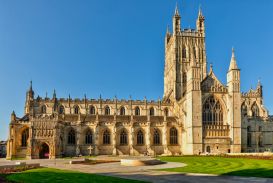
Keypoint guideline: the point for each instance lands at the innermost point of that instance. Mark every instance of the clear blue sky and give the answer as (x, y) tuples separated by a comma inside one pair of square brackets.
[(117, 47)]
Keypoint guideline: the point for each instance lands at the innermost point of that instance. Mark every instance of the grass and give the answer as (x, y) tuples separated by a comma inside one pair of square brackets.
[(15, 159), (223, 166), (45, 175)]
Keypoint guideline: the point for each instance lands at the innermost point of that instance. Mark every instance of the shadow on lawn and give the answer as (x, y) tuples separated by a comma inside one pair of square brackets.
[(60, 176), (256, 172)]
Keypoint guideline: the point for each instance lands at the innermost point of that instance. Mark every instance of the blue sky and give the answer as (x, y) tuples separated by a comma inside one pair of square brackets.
[(117, 47)]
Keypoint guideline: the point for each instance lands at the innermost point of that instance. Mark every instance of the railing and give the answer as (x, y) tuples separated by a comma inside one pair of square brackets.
[(215, 130)]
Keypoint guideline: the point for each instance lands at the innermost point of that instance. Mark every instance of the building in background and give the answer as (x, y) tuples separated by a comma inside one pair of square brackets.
[(197, 114)]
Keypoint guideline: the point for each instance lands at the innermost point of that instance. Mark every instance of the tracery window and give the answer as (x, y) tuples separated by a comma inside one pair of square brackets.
[(212, 111), (137, 111), (92, 110), (152, 111), (43, 109), (89, 137), (106, 137), (24, 138), (255, 110), (123, 138), (122, 111), (71, 137), (61, 109), (156, 137), (76, 109), (173, 136), (107, 110), (140, 138)]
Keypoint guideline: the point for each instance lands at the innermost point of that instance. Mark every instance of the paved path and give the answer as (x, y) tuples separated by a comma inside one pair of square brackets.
[(145, 173)]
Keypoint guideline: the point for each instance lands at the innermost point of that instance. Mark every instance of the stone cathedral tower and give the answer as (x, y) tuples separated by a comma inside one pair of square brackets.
[(182, 49)]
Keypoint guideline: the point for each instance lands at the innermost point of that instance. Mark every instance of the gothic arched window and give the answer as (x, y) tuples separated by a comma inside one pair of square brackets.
[(106, 137), (137, 111), (212, 111), (173, 136), (43, 109), (61, 109), (152, 111), (76, 109), (92, 110), (71, 137), (184, 52), (123, 138), (156, 137), (122, 111), (255, 110), (24, 138), (140, 138), (249, 136), (107, 110), (88, 137)]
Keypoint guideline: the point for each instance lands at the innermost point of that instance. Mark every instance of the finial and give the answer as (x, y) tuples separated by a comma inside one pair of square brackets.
[(13, 112), (130, 97), (100, 96), (30, 85), (168, 30), (46, 95), (200, 10), (233, 52), (211, 66), (259, 82), (176, 10), (69, 96), (54, 93), (85, 96)]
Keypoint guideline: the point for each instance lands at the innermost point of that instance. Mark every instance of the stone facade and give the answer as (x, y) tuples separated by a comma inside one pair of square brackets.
[(197, 113)]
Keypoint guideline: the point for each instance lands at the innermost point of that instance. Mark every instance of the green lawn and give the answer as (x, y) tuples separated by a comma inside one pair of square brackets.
[(223, 166), (46, 175)]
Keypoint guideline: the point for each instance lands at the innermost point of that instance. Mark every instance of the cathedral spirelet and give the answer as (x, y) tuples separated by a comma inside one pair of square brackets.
[(198, 114)]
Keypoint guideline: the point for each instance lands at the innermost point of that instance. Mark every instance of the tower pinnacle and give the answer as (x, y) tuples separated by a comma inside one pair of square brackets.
[(233, 63), (200, 14), (176, 13)]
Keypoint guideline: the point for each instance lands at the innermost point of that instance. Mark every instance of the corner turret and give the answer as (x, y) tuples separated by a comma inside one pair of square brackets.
[(200, 23), (176, 22)]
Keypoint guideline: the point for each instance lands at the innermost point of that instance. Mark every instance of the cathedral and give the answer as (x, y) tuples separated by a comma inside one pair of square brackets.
[(197, 113)]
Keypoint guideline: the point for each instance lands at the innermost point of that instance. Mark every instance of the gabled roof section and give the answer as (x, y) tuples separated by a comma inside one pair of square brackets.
[(212, 84), (24, 118)]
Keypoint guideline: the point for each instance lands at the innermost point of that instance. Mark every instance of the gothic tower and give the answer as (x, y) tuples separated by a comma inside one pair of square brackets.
[(29, 100), (234, 104), (181, 48)]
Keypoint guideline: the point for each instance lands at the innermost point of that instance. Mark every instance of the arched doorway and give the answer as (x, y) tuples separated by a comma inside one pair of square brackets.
[(208, 149), (44, 151)]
